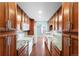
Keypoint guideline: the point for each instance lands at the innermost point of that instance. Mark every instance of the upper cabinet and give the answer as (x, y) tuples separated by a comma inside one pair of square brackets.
[(22, 20), (51, 25), (2, 17), (24, 23), (74, 22), (23, 16), (67, 10), (55, 23), (31, 27), (70, 16), (60, 19), (19, 17), (7, 16), (12, 14), (26, 19)]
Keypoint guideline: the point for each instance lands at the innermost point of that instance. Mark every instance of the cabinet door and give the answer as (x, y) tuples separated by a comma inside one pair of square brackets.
[(7, 14), (23, 18), (74, 45), (66, 45), (66, 16), (10, 46), (2, 16), (56, 21), (31, 25), (74, 21), (55, 51), (13, 45), (2, 51), (19, 17), (12, 14), (60, 19)]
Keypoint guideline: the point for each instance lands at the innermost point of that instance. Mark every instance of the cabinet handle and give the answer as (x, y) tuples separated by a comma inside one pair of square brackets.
[(68, 41), (8, 24), (9, 43)]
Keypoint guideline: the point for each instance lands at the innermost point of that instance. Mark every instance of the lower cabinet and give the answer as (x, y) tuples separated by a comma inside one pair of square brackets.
[(23, 51), (70, 45), (8, 45), (74, 45), (54, 50), (65, 44), (2, 46)]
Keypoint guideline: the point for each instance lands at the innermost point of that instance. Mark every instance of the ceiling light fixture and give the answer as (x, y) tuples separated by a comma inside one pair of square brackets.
[(40, 11)]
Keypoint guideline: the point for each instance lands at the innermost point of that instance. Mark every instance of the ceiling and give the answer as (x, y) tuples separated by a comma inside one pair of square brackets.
[(40, 11)]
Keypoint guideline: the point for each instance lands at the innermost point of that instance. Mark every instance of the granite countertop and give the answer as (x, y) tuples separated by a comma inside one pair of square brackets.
[(55, 38), (23, 42)]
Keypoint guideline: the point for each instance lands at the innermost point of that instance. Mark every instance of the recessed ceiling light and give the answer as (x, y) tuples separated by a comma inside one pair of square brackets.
[(40, 11)]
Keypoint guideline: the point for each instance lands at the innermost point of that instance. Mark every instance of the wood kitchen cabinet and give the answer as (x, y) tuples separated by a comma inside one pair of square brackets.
[(54, 50), (66, 20), (10, 45), (51, 24), (7, 26), (74, 20), (70, 27), (74, 30), (22, 18), (26, 19), (55, 22), (74, 45), (19, 18), (31, 27), (70, 16), (2, 49), (60, 19), (8, 16), (66, 16), (2, 17), (66, 44), (11, 14), (70, 45)]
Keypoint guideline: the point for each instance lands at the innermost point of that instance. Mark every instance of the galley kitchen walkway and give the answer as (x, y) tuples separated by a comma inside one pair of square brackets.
[(40, 49)]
